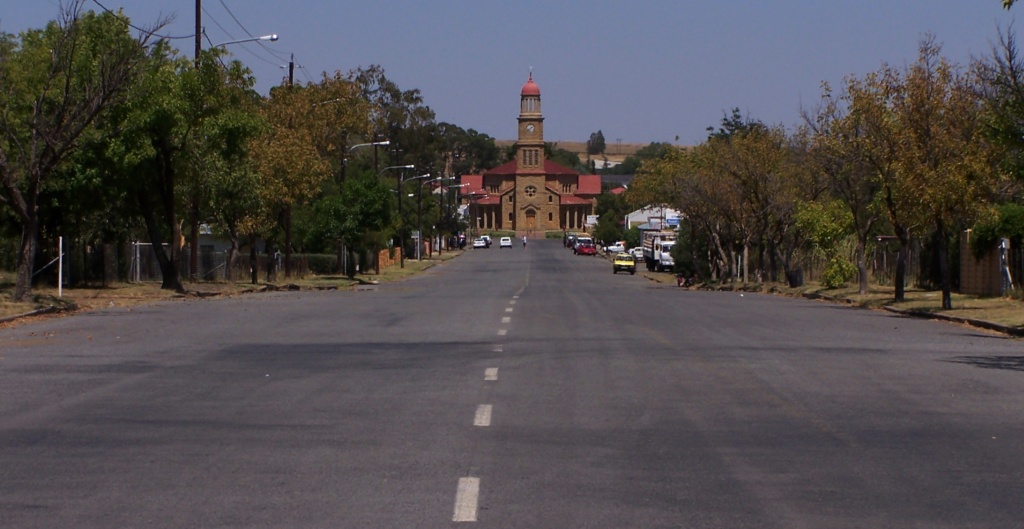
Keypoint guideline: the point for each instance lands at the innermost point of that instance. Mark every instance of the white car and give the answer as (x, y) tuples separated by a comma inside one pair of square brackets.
[(479, 242), (505, 242), (638, 253), (615, 248)]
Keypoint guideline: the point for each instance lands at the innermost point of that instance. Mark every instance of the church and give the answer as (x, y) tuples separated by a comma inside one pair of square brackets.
[(530, 195)]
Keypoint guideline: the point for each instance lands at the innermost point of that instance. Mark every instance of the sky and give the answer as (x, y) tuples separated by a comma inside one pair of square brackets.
[(639, 71)]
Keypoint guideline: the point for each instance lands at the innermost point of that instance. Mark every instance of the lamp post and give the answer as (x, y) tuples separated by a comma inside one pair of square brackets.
[(473, 199), (398, 191), (442, 210), (419, 214), (193, 261), (344, 161), (271, 38)]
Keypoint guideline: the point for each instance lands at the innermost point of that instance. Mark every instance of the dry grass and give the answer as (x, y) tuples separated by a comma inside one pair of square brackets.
[(132, 294), (1005, 311), (1002, 311)]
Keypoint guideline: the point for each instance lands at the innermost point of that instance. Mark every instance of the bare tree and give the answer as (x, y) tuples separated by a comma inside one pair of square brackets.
[(54, 84)]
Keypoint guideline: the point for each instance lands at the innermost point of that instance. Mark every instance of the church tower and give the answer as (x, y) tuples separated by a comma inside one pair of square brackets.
[(530, 192)]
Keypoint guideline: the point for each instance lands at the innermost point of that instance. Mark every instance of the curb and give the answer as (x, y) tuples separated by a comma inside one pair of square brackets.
[(45, 310), (981, 324)]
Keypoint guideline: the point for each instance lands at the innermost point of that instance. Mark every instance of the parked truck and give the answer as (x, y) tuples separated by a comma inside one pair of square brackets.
[(658, 250)]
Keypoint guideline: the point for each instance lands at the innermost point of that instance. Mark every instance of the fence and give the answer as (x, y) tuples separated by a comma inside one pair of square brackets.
[(213, 265)]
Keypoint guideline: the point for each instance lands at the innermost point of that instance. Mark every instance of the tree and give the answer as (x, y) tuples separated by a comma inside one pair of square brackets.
[(596, 144), (54, 84), (838, 150), (631, 164), (942, 155), (611, 210), (306, 138)]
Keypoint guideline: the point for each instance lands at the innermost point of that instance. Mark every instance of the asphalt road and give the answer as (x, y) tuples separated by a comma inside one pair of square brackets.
[(520, 388)]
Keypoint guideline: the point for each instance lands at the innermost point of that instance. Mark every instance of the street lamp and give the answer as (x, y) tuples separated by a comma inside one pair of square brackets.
[(419, 212), (442, 211), (473, 199), (344, 161), (193, 261), (398, 191), (271, 38)]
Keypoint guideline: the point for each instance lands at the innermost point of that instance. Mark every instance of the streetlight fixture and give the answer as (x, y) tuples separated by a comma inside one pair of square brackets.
[(372, 143), (193, 261), (474, 197), (344, 161), (398, 191), (271, 38), (419, 212)]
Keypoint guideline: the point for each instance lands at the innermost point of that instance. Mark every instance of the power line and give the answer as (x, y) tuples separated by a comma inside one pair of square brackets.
[(232, 37), (247, 32), (136, 28)]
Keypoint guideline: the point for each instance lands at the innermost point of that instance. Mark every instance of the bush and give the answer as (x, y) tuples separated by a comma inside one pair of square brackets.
[(322, 264), (838, 272)]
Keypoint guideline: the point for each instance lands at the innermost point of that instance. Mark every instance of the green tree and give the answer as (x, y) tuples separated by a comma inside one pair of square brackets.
[(839, 146), (54, 84), (611, 211), (596, 144), (943, 156)]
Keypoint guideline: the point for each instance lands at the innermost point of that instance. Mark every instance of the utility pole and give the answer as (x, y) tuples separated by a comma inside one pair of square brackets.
[(193, 256), (199, 30), (288, 208)]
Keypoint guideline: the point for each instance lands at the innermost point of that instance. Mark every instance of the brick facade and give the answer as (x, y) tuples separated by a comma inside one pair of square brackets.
[(530, 195)]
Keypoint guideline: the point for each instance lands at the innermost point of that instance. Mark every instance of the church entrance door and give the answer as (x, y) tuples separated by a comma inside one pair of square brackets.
[(531, 220)]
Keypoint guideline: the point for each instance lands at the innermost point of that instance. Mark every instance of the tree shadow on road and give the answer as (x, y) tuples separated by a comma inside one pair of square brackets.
[(1010, 363)]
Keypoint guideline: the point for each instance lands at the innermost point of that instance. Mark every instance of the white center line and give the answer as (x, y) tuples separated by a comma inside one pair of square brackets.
[(502, 332), (506, 319), (466, 499), (491, 373), (497, 348), (513, 302), (483, 415), (509, 309)]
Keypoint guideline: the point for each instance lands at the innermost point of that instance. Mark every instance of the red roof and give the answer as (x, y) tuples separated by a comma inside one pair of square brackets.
[(589, 184), (472, 183), (572, 199), (618, 191), (531, 88), (490, 200), (503, 169)]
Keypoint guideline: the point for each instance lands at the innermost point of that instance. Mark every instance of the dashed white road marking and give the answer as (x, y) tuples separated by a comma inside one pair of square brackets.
[(497, 348), (513, 302), (483, 415), (502, 332), (466, 497), (491, 373), (515, 296), (506, 319), (509, 309)]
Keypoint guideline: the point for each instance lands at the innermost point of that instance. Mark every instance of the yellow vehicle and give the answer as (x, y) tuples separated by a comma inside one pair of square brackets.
[(624, 261)]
